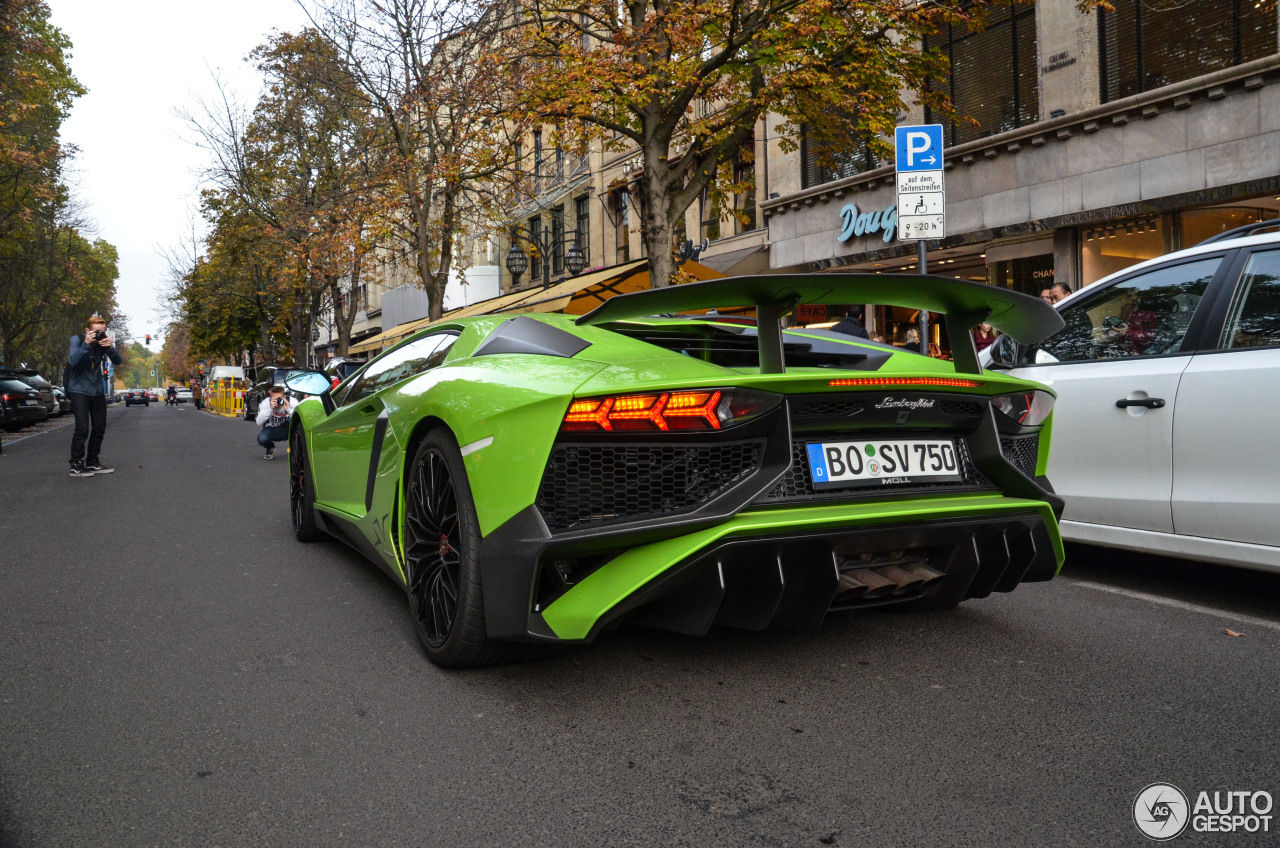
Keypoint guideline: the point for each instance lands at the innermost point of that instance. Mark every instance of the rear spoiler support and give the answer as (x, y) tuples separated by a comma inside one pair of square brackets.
[(964, 305)]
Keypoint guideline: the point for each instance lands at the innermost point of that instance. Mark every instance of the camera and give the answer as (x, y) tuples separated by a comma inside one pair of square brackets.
[(99, 335)]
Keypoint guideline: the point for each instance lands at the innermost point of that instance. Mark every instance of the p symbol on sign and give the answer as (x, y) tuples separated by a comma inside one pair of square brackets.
[(917, 142)]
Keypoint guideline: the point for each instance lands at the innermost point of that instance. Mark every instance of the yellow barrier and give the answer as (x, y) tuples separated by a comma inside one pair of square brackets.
[(226, 397)]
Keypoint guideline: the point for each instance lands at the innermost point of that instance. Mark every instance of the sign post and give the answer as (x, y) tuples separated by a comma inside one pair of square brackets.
[(921, 197)]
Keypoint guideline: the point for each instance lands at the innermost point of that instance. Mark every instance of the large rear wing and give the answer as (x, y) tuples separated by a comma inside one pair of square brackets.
[(963, 304)]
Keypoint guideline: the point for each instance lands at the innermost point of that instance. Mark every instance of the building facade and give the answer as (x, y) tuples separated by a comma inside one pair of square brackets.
[(1104, 139)]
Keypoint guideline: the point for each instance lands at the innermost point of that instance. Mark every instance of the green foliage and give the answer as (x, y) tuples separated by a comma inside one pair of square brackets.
[(51, 277)]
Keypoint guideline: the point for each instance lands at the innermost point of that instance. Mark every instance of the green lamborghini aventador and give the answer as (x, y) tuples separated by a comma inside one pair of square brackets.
[(536, 480)]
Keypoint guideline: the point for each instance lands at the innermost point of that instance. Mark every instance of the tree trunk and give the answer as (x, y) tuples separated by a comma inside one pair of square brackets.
[(656, 223)]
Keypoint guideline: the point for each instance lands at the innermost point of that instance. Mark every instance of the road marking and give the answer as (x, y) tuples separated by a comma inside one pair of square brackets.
[(62, 426), (1182, 605)]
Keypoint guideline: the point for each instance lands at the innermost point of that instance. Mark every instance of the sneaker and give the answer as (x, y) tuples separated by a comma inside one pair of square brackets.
[(270, 454), (97, 468), (78, 470)]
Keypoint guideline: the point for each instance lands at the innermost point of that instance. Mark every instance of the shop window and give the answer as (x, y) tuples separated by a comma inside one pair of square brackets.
[(1200, 224), (1108, 248), (1146, 45), (1254, 319), (1145, 315), (993, 74), (1028, 275)]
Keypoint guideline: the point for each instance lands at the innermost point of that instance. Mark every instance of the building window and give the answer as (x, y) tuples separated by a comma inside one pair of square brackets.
[(535, 253), (824, 159), (538, 164), (708, 217), (1144, 46), (558, 172), (993, 75), (582, 219), (622, 224), (744, 201), (557, 240)]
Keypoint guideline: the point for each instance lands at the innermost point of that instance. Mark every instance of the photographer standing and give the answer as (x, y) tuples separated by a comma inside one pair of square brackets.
[(88, 395), (273, 417)]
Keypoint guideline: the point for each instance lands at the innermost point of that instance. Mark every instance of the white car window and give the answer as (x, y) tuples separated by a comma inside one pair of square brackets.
[(1144, 315), (1254, 318)]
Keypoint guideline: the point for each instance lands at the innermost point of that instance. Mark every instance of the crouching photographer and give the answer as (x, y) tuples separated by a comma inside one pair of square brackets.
[(273, 418)]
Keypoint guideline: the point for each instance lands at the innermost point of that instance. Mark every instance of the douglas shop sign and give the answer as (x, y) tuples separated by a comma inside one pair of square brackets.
[(855, 223)]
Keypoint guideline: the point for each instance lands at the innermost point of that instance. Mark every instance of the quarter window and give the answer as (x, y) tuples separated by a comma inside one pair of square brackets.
[(1145, 315), (400, 364), (1254, 319)]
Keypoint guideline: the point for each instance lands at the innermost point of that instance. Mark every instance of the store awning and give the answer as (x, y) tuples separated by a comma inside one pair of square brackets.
[(574, 296), (579, 295), (747, 260)]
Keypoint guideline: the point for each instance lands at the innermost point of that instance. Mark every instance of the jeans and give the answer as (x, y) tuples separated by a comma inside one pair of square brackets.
[(91, 423), (268, 436)]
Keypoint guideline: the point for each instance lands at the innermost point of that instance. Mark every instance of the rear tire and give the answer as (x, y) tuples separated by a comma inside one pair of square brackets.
[(441, 552), (302, 495)]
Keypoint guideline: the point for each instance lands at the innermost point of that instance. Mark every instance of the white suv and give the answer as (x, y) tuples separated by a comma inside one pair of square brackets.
[(1168, 383)]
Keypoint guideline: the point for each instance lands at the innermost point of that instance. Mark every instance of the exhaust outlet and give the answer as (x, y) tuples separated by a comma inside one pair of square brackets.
[(924, 572), (877, 586), (903, 580), (848, 587)]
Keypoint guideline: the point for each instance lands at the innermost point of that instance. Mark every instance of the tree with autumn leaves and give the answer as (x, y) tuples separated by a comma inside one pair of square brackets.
[(687, 81), (441, 93), (52, 276)]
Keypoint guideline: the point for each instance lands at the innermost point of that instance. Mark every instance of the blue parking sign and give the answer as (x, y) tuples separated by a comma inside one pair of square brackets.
[(919, 148)]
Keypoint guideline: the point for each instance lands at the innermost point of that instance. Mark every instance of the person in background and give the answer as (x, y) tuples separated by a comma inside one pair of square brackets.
[(851, 324), (1059, 291), (197, 392), (1046, 295), (983, 335), (913, 340), (88, 395), (273, 418)]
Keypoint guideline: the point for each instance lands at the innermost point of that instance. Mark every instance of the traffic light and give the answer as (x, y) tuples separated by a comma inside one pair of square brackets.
[(148, 338)]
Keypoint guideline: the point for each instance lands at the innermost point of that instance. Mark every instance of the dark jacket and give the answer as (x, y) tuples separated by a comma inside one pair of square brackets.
[(851, 326), (84, 372)]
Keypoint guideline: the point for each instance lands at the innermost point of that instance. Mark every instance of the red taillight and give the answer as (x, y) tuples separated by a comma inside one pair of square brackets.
[(708, 409), (7, 398), (955, 382)]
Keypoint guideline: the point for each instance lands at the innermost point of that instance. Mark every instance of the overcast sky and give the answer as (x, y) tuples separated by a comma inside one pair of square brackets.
[(141, 61)]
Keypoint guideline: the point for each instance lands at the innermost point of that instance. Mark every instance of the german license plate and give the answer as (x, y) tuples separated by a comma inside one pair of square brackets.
[(33, 402), (882, 462)]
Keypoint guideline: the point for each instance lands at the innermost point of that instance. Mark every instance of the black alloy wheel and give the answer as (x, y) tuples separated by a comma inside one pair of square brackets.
[(441, 541), (301, 491)]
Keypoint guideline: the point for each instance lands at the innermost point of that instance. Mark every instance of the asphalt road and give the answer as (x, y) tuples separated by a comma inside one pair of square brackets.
[(176, 670)]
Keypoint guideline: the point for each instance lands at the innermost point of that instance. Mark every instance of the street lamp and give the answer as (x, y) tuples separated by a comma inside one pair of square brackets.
[(575, 258)]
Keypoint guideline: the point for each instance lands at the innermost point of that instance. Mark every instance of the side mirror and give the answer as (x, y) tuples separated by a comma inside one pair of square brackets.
[(1004, 353), (311, 383)]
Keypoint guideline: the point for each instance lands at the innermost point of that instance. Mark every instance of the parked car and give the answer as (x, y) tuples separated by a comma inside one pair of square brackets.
[(64, 402), (1168, 379), (340, 369), (184, 395), (136, 396), (20, 404), (541, 478), (32, 378), (267, 376)]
